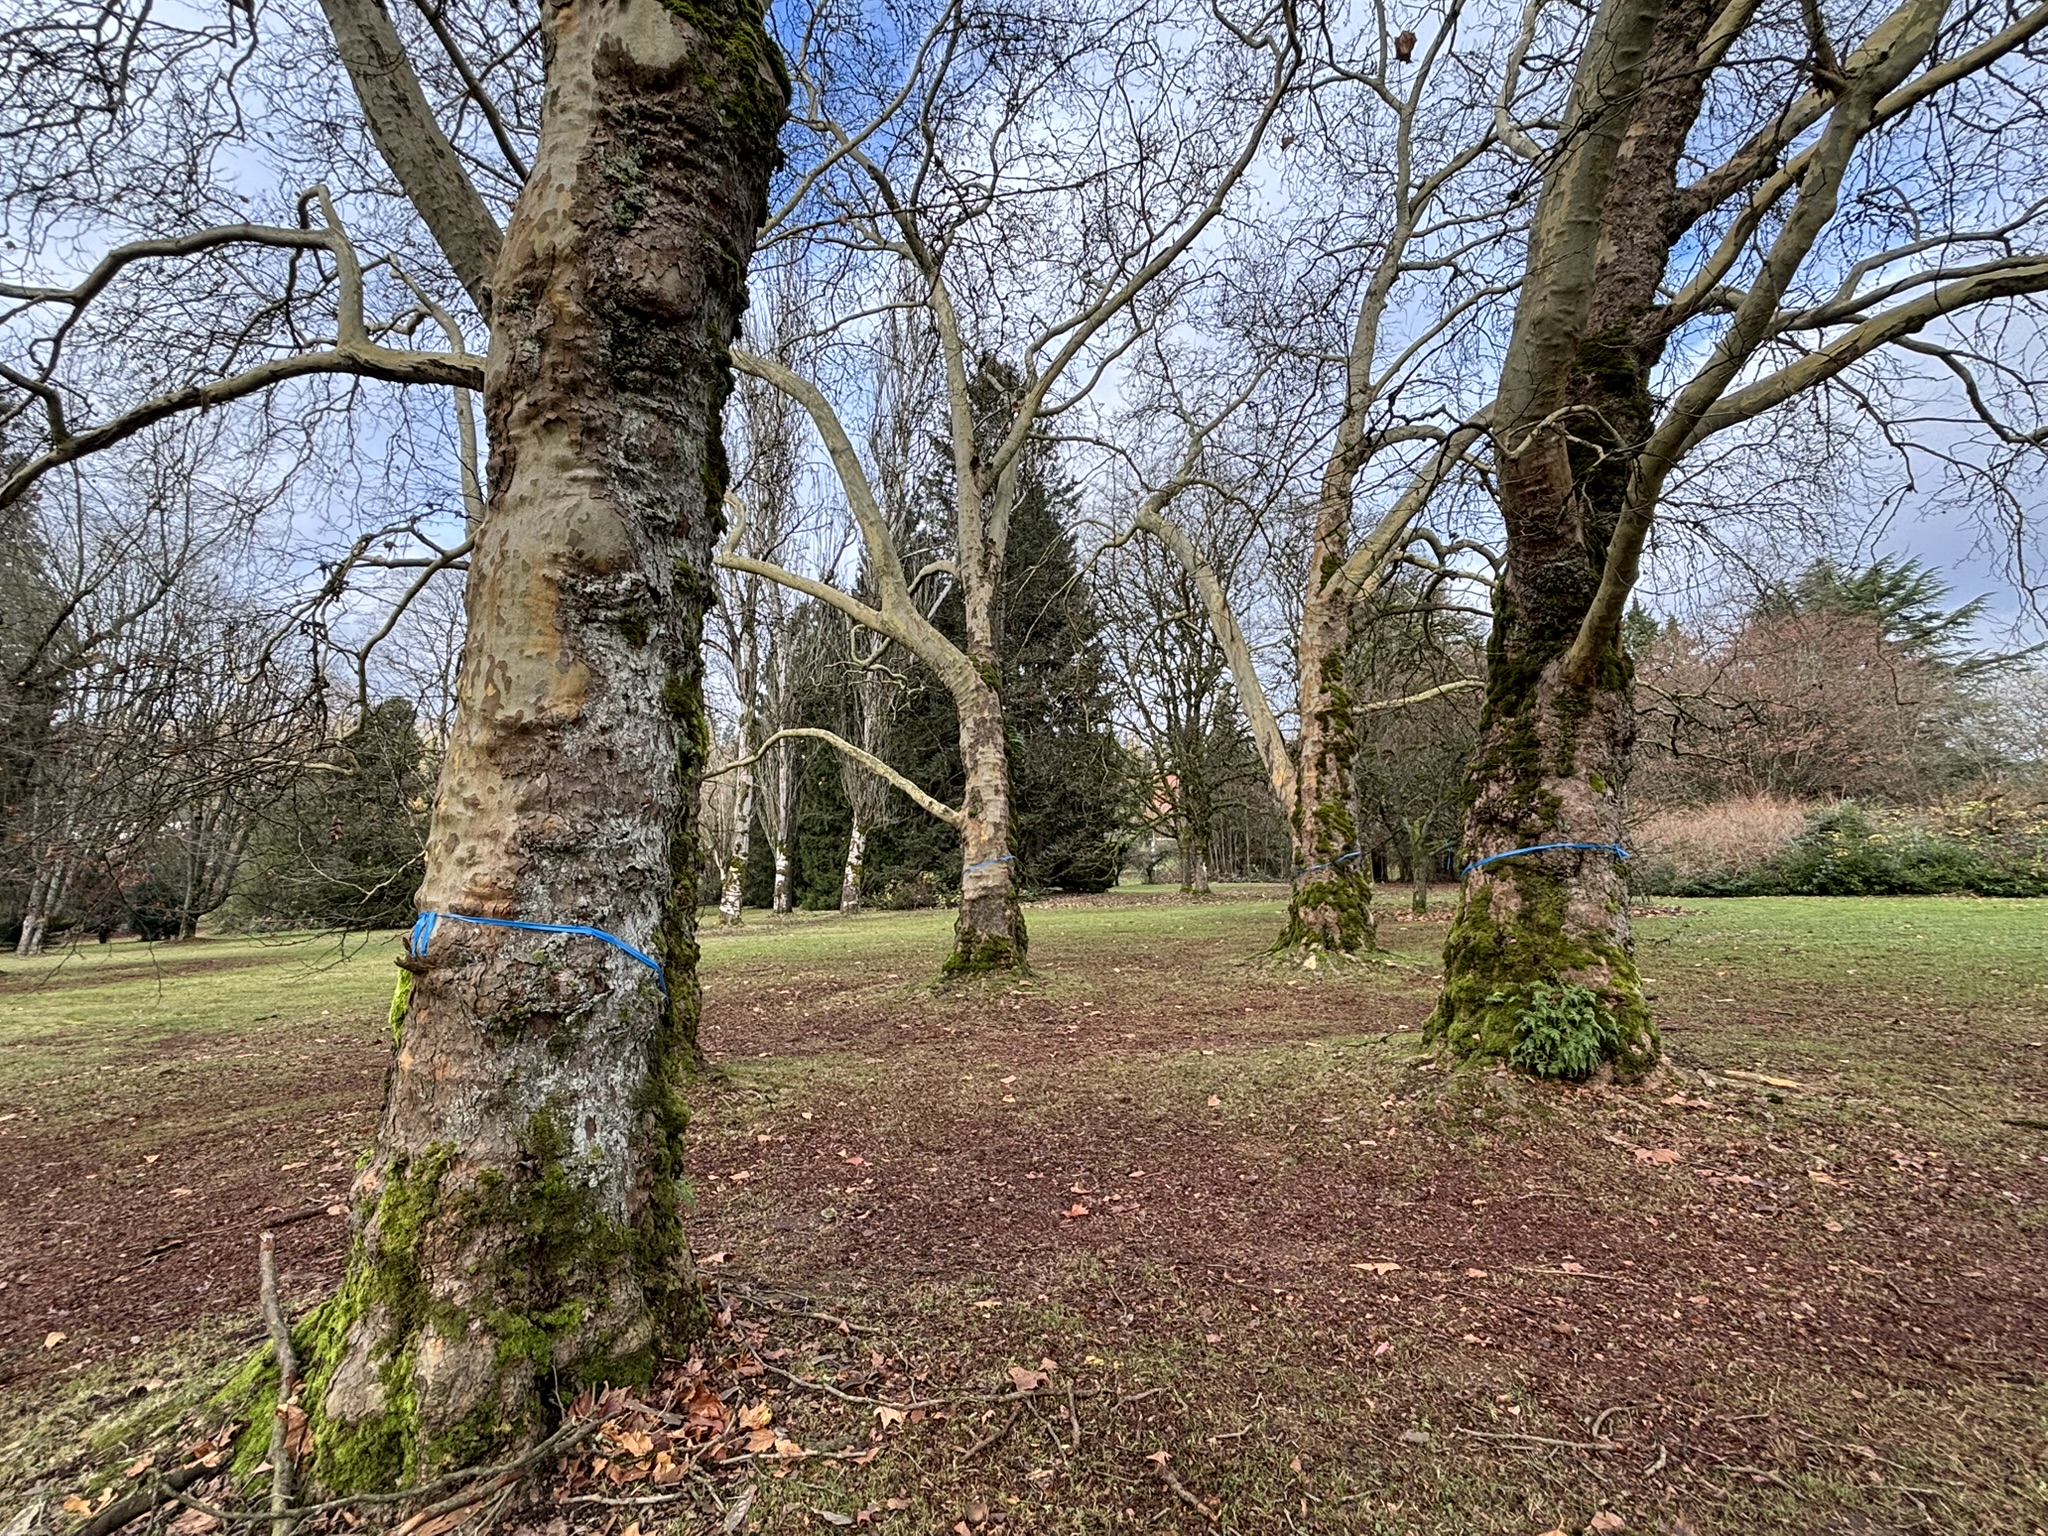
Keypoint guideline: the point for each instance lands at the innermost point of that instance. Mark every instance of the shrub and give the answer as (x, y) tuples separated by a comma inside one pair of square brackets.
[(1562, 1031), (1988, 847)]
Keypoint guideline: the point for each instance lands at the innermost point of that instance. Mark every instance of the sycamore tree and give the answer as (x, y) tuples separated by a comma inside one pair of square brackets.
[(582, 203), (1747, 210), (1366, 305), (980, 178)]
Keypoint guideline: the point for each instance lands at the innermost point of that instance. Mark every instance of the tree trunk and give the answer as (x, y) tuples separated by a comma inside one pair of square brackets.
[(849, 881), (35, 915), (1546, 935), (518, 1232), (1331, 907), (781, 905), (1194, 863), (732, 894), (1539, 969), (1419, 862), (989, 935)]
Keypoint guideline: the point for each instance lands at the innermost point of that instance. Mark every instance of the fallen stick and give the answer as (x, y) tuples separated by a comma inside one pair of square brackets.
[(138, 1504), (1179, 1490), (287, 1385)]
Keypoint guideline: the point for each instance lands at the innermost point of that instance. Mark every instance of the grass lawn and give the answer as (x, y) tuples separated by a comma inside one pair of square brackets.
[(1794, 1285)]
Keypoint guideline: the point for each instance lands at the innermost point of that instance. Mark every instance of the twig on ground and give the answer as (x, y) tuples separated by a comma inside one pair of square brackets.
[(1179, 1490), (1605, 1414), (287, 1386), (141, 1502), (1073, 1420), (1567, 1445), (570, 1434), (993, 1435), (763, 1299)]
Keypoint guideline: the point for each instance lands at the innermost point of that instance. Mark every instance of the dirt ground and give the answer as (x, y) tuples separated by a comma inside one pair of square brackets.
[(1795, 1284)]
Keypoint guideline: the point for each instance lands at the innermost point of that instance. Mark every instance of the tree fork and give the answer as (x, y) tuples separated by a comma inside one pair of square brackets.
[(518, 1228)]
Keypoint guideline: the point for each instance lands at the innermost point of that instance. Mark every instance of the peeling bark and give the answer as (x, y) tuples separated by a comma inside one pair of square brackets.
[(518, 1231), (849, 879), (989, 931)]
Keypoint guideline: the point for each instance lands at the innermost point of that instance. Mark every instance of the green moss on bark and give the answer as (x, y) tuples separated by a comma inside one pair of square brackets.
[(1493, 969), (543, 1258), (976, 954)]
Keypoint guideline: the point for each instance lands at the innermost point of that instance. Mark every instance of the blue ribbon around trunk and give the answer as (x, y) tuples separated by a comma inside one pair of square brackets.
[(1514, 853), (423, 932)]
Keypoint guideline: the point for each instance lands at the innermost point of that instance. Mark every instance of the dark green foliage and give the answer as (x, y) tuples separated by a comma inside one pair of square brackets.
[(343, 846), (1563, 1031), (1072, 786), (823, 829), (1903, 597)]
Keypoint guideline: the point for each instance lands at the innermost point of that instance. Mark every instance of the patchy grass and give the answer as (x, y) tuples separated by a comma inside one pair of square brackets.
[(1793, 1286)]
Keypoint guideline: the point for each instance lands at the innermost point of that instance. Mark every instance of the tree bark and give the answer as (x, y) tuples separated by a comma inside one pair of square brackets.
[(731, 895), (1545, 936), (517, 1229), (1331, 905), (782, 901), (989, 932), (849, 880)]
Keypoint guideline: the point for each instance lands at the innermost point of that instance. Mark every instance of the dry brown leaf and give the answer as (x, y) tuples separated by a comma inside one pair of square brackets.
[(197, 1522), (756, 1416), (52, 1340), (1607, 1520), (1026, 1381), (1656, 1155), (1075, 1211)]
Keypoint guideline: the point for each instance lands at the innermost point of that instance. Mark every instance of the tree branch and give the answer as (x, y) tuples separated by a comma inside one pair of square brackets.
[(881, 770)]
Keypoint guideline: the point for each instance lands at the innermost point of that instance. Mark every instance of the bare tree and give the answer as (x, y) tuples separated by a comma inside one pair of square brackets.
[(1432, 128), (1738, 209), (1015, 165), (517, 1223)]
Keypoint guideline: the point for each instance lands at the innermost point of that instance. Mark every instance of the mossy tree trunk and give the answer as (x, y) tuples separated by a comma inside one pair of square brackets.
[(517, 1228), (1330, 909), (1572, 417), (1548, 770)]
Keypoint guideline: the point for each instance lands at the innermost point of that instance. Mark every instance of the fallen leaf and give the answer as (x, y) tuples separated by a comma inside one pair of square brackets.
[(832, 1517), (1382, 1347), (1826, 1178), (887, 1415), (74, 1505), (1075, 1211), (1026, 1381), (1606, 1520), (713, 1258), (1656, 1155), (1162, 1457), (140, 1465), (196, 1522), (1382, 1267), (52, 1340), (179, 1194), (760, 1440), (1214, 1102), (756, 1416)]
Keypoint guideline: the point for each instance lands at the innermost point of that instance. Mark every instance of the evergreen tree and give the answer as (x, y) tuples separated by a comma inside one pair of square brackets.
[(344, 846)]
